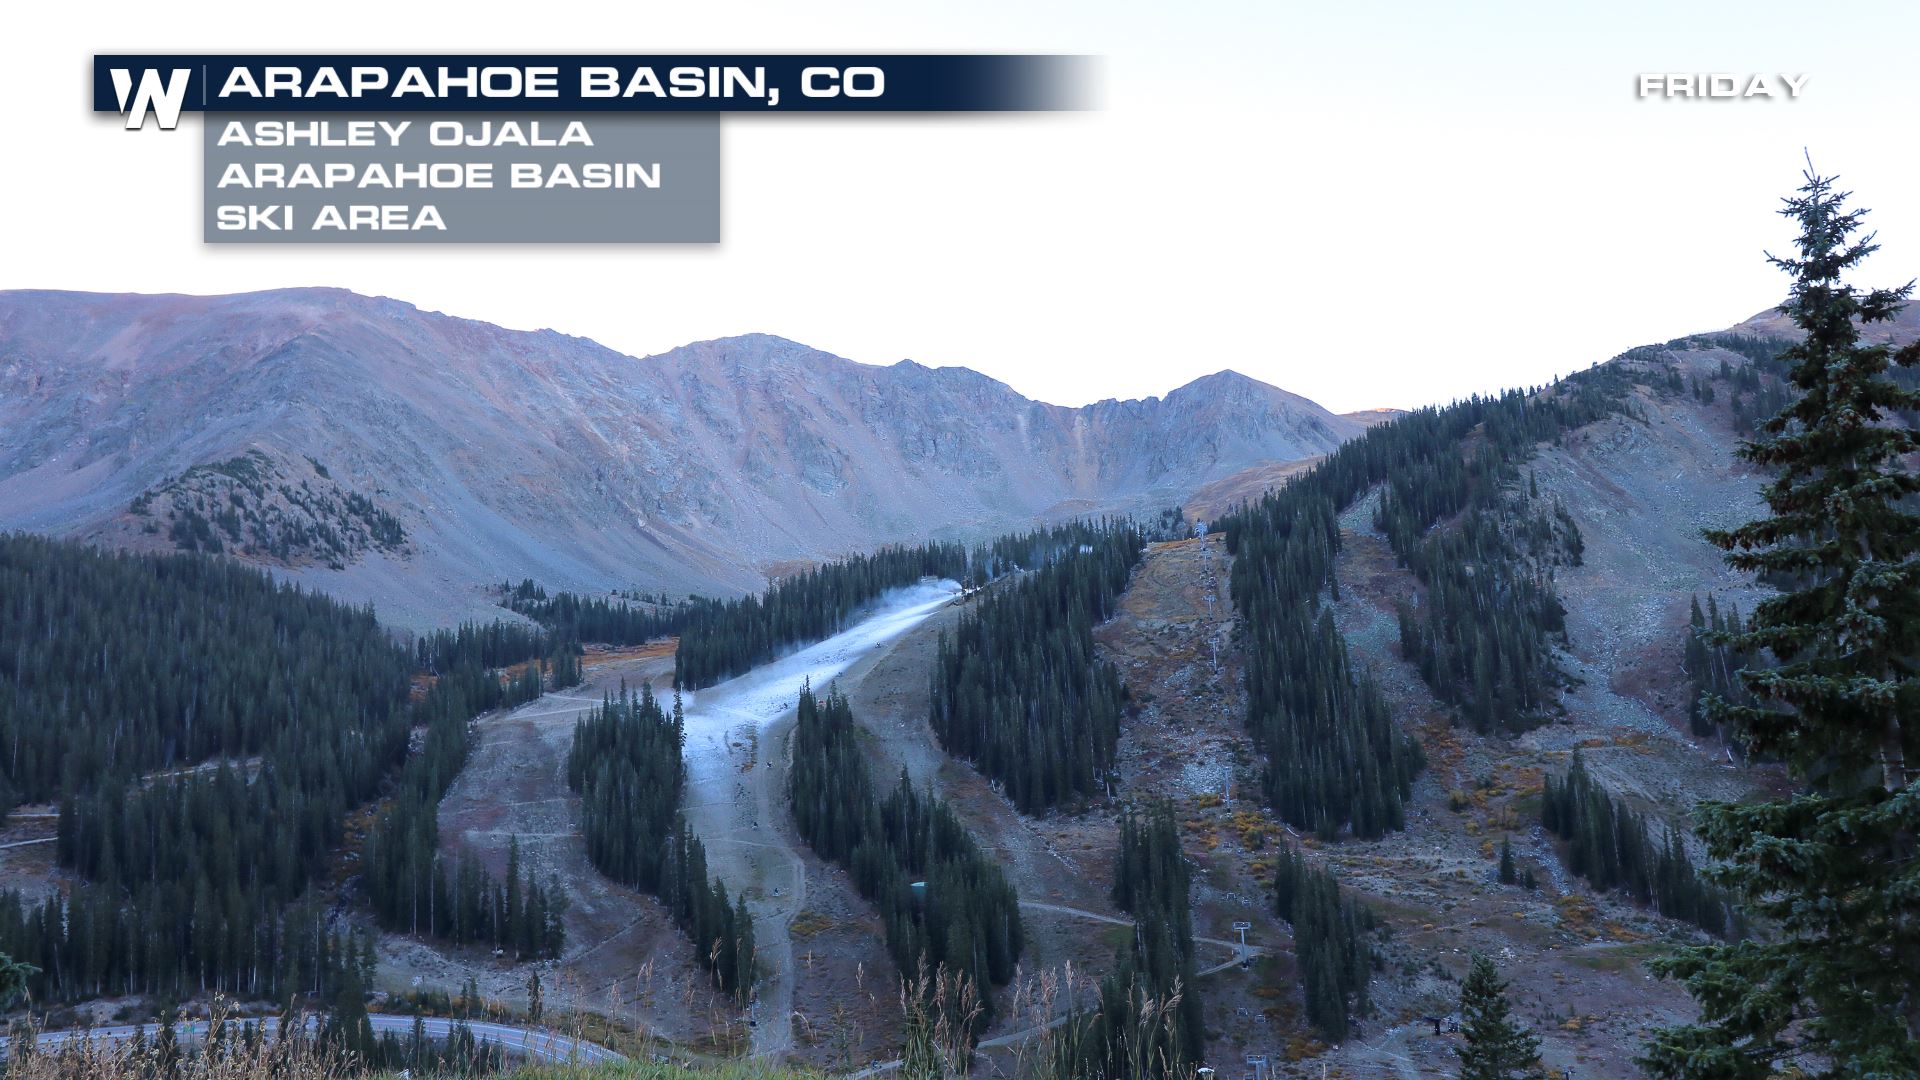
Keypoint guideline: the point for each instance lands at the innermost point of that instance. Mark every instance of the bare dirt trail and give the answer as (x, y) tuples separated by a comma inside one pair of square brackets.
[(1185, 741), (624, 958), (27, 862)]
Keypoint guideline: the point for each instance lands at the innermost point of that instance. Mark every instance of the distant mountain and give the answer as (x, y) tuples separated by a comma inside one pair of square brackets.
[(1373, 417), (386, 453)]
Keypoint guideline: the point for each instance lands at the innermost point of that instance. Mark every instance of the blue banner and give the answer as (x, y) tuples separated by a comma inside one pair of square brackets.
[(581, 84)]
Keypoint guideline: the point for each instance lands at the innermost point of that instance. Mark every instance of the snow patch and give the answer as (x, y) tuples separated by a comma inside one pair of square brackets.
[(751, 702)]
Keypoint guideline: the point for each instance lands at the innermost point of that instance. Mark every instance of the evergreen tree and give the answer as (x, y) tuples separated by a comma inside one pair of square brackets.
[(13, 980), (1329, 942), (721, 640), (1018, 687), (413, 889), (569, 617), (1484, 546), (943, 901), (206, 731), (1713, 665), (1494, 1047), (1612, 846), (1833, 868), (493, 645), (563, 666), (625, 762), (348, 1026), (1151, 881)]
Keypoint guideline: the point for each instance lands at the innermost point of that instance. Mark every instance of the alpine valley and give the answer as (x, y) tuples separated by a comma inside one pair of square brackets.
[(748, 702)]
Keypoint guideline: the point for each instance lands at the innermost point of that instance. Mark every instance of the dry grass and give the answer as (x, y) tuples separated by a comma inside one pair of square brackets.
[(233, 1057), (290, 1057), (810, 922), (648, 1071), (597, 655)]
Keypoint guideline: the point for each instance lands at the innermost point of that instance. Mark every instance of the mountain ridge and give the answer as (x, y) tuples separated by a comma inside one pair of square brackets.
[(536, 453)]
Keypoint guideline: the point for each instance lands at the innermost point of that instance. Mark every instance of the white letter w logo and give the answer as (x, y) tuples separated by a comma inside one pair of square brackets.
[(165, 101)]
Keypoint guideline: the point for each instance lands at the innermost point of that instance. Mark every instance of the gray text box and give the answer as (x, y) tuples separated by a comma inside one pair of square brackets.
[(636, 179)]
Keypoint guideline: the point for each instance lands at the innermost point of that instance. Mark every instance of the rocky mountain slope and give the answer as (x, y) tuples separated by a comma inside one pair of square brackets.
[(1641, 485), (262, 509), (504, 454)]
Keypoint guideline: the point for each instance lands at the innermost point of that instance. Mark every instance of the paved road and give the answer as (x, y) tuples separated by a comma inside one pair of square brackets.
[(533, 1044), (1241, 954)]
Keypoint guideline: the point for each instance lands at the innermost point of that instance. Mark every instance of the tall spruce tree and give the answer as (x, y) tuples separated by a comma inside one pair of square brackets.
[(966, 917), (13, 979), (1494, 1047), (1153, 882), (1330, 943), (1835, 988)]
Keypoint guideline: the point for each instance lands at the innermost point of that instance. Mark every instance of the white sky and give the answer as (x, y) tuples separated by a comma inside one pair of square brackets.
[(1369, 204)]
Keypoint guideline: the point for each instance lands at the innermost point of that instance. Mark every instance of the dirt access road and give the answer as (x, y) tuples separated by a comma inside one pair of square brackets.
[(624, 957)]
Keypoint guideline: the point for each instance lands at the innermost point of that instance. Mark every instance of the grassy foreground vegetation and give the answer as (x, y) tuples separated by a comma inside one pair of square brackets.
[(309, 1060), (633, 1070)]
